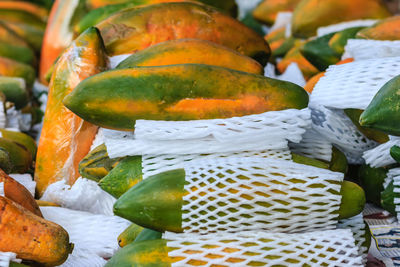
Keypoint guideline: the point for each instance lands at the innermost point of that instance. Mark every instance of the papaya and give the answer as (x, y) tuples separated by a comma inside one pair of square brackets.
[(395, 153), (388, 196), (30, 8), (22, 139), (5, 161), (194, 51), (32, 35), (15, 91), (309, 161), (338, 161), (96, 164), (387, 29), (16, 264), (148, 234), (42, 203), (12, 68), (129, 235), (16, 15), (378, 136), (65, 138), (267, 10), (309, 15), (19, 194), (18, 53), (372, 180), (21, 159), (353, 200), (131, 30), (7, 35), (205, 92), (279, 43), (250, 22), (32, 237), (382, 113), (125, 175), (339, 39)]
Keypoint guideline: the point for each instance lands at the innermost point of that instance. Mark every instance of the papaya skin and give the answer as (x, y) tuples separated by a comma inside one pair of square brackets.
[(131, 30), (19, 194), (353, 200), (150, 93), (32, 35), (387, 29), (20, 138), (32, 237), (129, 235), (31, 8), (12, 68), (21, 159), (193, 51), (66, 139), (309, 15), (267, 10)]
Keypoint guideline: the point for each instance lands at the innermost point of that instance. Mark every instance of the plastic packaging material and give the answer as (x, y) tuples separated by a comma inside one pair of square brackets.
[(84, 195), (345, 25), (269, 130), (313, 145), (292, 74), (115, 60), (83, 257), (380, 155), (327, 248), (394, 175), (259, 193), (353, 85), (6, 257), (3, 116), (25, 180), (283, 19), (360, 49), (2, 189), (337, 128), (95, 233)]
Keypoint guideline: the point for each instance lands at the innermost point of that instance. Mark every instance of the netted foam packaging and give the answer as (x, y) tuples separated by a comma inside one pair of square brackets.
[(358, 227), (292, 74), (26, 180), (3, 116), (94, 232), (360, 49), (380, 155), (321, 31), (239, 194), (327, 248), (6, 257), (2, 189), (313, 145), (337, 128), (84, 195), (394, 175), (83, 257)]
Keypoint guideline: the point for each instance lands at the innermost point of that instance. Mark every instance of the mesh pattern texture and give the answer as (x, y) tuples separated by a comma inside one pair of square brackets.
[(238, 194), (6, 257), (394, 175), (353, 85), (327, 248), (360, 49), (3, 116), (2, 189), (313, 145), (321, 31), (380, 155), (82, 257), (270, 130)]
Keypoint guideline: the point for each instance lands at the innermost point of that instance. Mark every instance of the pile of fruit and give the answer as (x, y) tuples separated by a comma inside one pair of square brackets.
[(175, 134)]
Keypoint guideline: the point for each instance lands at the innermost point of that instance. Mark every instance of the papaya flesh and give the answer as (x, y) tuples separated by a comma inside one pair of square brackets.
[(131, 30), (12, 68), (32, 237), (129, 235), (66, 139), (309, 15), (267, 10), (178, 92), (193, 51), (387, 29)]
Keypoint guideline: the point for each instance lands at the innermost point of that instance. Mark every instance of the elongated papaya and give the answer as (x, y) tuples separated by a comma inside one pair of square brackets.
[(20, 138), (387, 29), (388, 196), (129, 235), (267, 10), (395, 153), (21, 54), (191, 51), (125, 175), (32, 237), (382, 113), (353, 200), (148, 234), (279, 43), (31, 8), (21, 159), (7, 35), (21, 16), (32, 35), (131, 30), (309, 15), (372, 180), (12, 68), (15, 91), (178, 92), (5, 161), (65, 138)]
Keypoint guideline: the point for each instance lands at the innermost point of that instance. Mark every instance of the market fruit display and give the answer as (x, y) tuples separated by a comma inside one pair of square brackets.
[(386, 29), (267, 10)]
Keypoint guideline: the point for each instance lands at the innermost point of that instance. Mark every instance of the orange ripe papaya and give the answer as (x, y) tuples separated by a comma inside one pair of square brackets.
[(31, 8), (32, 237), (65, 138), (267, 10), (195, 51), (131, 30), (387, 29), (309, 15)]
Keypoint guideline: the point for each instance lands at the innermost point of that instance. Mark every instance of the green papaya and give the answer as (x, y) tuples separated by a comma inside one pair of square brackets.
[(383, 111), (32, 35), (15, 91), (250, 22), (378, 136), (148, 234), (5, 161), (18, 53), (22, 139), (126, 174), (20, 157), (353, 200), (12, 68), (129, 235), (339, 40), (372, 182), (152, 93), (388, 199), (309, 161), (395, 153)]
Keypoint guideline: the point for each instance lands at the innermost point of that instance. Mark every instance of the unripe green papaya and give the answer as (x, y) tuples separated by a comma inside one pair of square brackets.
[(387, 198), (395, 153), (372, 182), (353, 200), (15, 91), (148, 234), (129, 235)]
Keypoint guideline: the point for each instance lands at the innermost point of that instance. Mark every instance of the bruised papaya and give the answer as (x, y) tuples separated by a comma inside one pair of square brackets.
[(183, 51), (65, 138), (131, 30), (21, 159), (309, 15), (15, 91), (387, 29), (267, 10), (129, 235), (32, 237), (22, 139), (383, 111), (12, 68), (178, 92)]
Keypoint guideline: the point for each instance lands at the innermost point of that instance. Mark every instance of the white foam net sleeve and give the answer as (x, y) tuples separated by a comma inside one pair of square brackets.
[(357, 226), (353, 85), (394, 175), (25, 180), (2, 189), (84, 195), (246, 6), (115, 60), (361, 49), (95, 232), (3, 116), (239, 194), (313, 145), (83, 257), (6, 257), (380, 155), (269, 130), (153, 164), (98, 140), (321, 31), (292, 74), (337, 128), (327, 248), (283, 19)]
